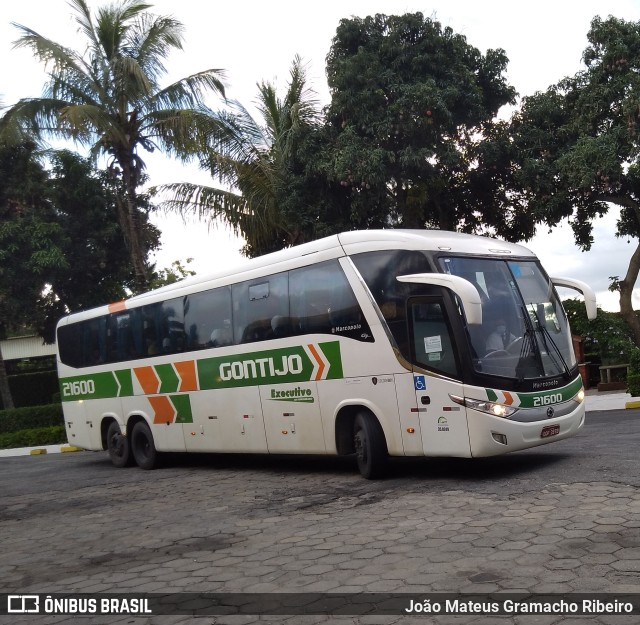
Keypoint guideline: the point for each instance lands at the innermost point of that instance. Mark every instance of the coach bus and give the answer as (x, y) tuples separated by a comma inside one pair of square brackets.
[(374, 344)]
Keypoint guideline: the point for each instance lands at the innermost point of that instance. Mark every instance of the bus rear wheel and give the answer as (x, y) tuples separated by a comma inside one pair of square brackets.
[(370, 446), (142, 446), (118, 446)]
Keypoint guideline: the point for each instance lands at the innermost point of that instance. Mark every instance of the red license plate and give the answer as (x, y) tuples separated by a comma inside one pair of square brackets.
[(549, 430)]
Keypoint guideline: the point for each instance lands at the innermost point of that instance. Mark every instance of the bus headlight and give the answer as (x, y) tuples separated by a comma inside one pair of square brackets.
[(489, 407), (579, 397)]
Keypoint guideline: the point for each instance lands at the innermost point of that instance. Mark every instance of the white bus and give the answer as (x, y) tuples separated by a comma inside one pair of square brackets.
[(374, 343)]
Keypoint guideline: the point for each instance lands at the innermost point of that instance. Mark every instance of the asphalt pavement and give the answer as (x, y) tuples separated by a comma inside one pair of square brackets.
[(558, 519)]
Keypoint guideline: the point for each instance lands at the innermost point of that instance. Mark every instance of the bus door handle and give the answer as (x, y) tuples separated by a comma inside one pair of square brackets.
[(425, 400)]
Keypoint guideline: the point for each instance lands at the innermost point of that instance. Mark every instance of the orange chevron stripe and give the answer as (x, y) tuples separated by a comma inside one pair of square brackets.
[(148, 379), (312, 349), (163, 409), (508, 398), (117, 306), (187, 372)]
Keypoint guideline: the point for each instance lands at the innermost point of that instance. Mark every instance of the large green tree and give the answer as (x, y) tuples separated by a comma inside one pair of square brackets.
[(61, 247), (107, 96), (97, 268), (573, 151), (260, 165), (30, 243), (410, 102)]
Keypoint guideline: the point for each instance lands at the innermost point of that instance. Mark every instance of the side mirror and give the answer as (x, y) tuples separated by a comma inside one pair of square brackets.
[(585, 289), (467, 292)]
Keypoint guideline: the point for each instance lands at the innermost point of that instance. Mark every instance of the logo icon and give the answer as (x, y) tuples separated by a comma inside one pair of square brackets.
[(420, 382), (23, 604), (550, 412)]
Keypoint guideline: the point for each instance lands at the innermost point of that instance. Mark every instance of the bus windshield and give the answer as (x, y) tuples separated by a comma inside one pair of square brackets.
[(524, 332)]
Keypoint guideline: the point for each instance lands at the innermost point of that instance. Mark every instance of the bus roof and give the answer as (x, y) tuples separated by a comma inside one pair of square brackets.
[(334, 246)]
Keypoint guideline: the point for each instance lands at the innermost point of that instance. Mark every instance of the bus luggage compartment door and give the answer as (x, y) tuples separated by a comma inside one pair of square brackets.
[(292, 420)]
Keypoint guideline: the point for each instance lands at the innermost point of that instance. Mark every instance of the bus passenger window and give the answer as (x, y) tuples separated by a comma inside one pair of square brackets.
[(255, 304), (322, 302), (207, 319), (163, 327)]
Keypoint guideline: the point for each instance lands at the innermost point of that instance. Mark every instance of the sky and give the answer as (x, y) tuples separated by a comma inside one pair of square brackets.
[(253, 40)]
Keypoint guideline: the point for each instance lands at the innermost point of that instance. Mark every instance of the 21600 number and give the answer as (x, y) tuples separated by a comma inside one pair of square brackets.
[(545, 400), (79, 387)]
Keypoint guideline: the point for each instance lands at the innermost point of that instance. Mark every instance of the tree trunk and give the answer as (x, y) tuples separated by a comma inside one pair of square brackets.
[(626, 291), (128, 215), (136, 251), (5, 391)]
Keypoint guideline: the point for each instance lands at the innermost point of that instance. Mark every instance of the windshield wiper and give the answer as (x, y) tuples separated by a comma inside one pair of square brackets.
[(546, 336), (529, 348)]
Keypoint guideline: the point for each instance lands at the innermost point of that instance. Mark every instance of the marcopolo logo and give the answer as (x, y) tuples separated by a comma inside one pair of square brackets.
[(300, 363)]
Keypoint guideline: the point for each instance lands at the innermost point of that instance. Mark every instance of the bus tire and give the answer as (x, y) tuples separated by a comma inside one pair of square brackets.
[(118, 446), (142, 446), (370, 446)]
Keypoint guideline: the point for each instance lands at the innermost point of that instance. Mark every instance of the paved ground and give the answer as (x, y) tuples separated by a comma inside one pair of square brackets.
[(559, 519)]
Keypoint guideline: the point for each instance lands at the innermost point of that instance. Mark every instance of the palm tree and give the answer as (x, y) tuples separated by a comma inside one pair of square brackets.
[(255, 163), (109, 99)]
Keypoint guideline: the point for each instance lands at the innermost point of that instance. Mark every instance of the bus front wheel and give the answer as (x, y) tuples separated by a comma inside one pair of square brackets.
[(370, 446), (142, 446), (118, 446)]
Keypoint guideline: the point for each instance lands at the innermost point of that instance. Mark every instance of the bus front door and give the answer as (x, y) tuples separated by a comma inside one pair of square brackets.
[(443, 423)]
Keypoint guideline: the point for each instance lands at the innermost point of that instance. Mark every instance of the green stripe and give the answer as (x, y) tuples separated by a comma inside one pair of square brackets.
[(559, 395), (126, 383), (169, 380), (182, 404), (276, 366), (331, 351), (290, 364)]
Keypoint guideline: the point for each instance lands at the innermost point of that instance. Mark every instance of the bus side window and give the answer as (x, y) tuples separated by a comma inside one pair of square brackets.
[(255, 304), (432, 341), (163, 327), (207, 319), (83, 344), (120, 340), (322, 302)]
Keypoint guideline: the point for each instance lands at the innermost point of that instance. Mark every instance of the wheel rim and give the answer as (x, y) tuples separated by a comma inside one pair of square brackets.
[(361, 447), (117, 444), (142, 445)]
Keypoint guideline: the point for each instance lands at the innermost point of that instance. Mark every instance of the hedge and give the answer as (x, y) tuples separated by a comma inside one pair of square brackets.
[(31, 417), (51, 435), (33, 389)]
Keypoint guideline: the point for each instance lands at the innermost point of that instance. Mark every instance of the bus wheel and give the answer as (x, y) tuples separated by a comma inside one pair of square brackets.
[(118, 446), (144, 451), (370, 446)]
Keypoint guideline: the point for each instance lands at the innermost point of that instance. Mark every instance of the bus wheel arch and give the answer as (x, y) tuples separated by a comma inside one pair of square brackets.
[(115, 442), (143, 449)]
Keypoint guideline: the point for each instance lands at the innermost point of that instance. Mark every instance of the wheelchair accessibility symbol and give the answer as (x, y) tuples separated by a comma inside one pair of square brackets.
[(420, 382)]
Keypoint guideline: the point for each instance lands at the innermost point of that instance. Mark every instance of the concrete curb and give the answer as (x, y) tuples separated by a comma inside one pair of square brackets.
[(38, 451)]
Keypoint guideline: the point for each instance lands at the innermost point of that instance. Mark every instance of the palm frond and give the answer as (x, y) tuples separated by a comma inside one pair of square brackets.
[(206, 202), (150, 40), (34, 117), (189, 92)]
